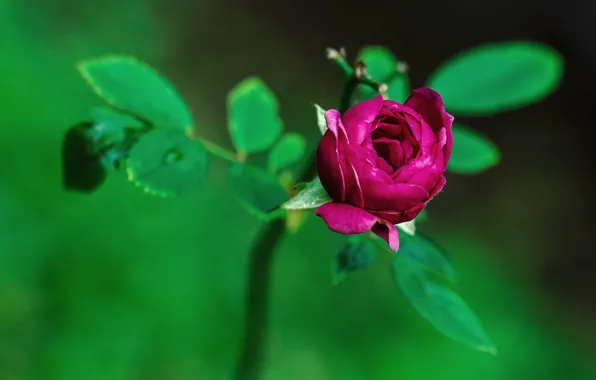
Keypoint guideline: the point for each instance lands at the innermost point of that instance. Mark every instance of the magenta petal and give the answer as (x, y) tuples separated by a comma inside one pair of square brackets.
[(354, 193), (347, 220), (334, 123), (429, 105), (388, 232), (428, 175), (329, 158), (397, 196), (438, 187), (359, 118), (330, 168), (402, 216)]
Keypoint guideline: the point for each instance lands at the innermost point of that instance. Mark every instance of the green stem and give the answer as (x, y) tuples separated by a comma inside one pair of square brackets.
[(219, 151), (253, 348)]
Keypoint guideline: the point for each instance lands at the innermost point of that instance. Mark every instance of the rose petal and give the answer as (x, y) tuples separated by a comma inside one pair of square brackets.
[(400, 217), (330, 167), (438, 188), (347, 220), (421, 131), (394, 197), (392, 151), (429, 105), (354, 193), (426, 171), (364, 162), (334, 123), (359, 118), (329, 158), (388, 232)]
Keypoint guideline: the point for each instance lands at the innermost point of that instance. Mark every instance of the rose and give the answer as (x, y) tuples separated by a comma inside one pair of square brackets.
[(382, 162)]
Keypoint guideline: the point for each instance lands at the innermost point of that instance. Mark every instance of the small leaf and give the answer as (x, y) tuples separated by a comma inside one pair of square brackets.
[(288, 151), (133, 86), (257, 190), (167, 163), (82, 169), (253, 118), (408, 227), (398, 88), (312, 195), (424, 251), (321, 121), (498, 77), (380, 62), (359, 252), (472, 152), (109, 127), (105, 115), (442, 307), (381, 65)]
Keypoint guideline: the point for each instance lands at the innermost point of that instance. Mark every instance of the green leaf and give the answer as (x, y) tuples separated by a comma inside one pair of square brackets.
[(398, 88), (442, 307), (115, 119), (133, 86), (380, 62), (382, 65), (253, 116), (408, 227), (312, 195), (256, 189), (498, 77), (165, 162), (360, 251), (321, 121), (472, 152), (110, 127), (424, 251), (82, 168), (288, 151)]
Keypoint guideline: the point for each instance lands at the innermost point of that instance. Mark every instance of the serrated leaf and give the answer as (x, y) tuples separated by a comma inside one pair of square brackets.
[(359, 252), (426, 252), (288, 151), (312, 195), (497, 77), (381, 65), (166, 162), (321, 121), (131, 85), (253, 116), (82, 168), (256, 189), (442, 307), (408, 227), (472, 152)]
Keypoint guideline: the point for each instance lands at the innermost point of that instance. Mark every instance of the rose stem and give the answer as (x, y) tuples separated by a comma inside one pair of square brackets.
[(253, 346)]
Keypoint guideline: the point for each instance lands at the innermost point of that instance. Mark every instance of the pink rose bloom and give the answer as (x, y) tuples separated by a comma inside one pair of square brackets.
[(382, 162)]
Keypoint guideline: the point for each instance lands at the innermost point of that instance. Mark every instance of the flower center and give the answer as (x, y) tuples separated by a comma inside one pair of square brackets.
[(394, 144)]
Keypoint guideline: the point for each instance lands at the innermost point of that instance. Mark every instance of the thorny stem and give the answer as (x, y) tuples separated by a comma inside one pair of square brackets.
[(253, 347)]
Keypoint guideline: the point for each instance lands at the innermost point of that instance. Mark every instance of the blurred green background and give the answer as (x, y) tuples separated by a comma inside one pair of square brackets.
[(120, 285)]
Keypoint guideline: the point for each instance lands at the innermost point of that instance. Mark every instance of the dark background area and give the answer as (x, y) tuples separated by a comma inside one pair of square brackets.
[(119, 285)]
